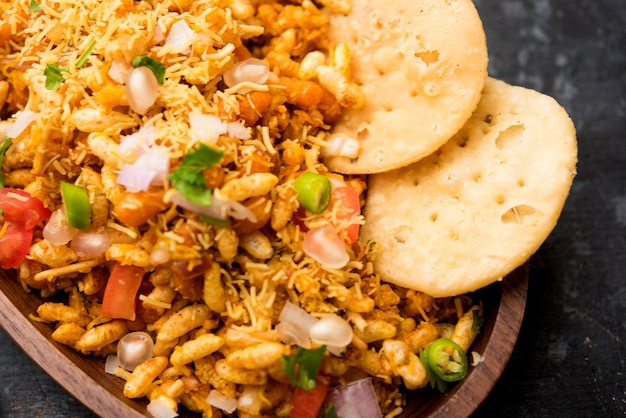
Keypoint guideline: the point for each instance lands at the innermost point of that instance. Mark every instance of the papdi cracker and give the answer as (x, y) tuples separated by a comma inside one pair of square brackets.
[(421, 66), (482, 204)]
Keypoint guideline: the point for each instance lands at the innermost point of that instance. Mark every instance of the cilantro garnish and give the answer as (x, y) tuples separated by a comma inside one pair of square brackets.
[(82, 60), (330, 412), (54, 76), (155, 66), (3, 147), (302, 366), (212, 221), (34, 7), (188, 178), (477, 321)]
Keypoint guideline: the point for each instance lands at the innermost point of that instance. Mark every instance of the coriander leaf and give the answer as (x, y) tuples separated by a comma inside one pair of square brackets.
[(54, 76), (34, 7), (330, 412), (301, 367), (193, 192), (155, 66), (188, 178), (82, 60), (212, 221), (3, 147), (477, 321)]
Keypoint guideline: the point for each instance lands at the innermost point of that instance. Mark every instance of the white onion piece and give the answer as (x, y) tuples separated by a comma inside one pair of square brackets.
[(239, 211), (57, 231), (293, 334), (294, 313), (21, 122), (206, 128), (150, 168), (341, 145), (142, 89), (294, 325), (133, 349), (250, 399), (160, 408), (135, 178), (332, 331), (136, 143), (356, 399), (220, 401), (237, 130), (156, 159), (90, 243), (336, 182), (111, 364), (220, 208), (324, 246), (180, 36), (214, 211), (119, 70), (252, 70)]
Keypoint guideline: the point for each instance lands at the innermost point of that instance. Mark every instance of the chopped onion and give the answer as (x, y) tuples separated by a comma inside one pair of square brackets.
[(240, 211), (251, 70), (135, 178), (324, 246), (160, 408), (133, 349), (90, 243), (57, 231), (220, 208), (214, 211), (136, 143), (220, 401), (294, 325), (341, 145), (180, 36), (292, 333), (150, 168), (119, 70), (237, 130), (250, 400), (206, 128), (111, 364), (355, 400), (142, 89), (21, 122), (333, 332)]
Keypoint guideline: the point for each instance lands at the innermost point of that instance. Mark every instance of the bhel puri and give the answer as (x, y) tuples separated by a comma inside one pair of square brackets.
[(268, 208)]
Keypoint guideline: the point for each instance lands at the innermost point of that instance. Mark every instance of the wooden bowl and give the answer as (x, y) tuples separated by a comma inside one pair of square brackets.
[(84, 377)]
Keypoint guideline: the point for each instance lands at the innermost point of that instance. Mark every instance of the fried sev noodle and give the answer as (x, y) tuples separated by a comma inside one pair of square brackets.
[(75, 138)]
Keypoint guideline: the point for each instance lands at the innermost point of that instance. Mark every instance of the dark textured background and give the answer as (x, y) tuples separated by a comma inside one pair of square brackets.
[(569, 358)]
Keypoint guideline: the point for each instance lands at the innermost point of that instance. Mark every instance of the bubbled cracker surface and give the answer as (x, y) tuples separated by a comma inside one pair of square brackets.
[(483, 203), (421, 65)]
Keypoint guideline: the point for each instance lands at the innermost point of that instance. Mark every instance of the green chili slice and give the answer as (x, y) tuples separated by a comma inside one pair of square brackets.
[(445, 362), (76, 204), (314, 191), (3, 147)]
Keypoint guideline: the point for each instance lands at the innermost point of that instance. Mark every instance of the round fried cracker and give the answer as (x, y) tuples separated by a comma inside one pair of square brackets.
[(421, 65), (482, 204)]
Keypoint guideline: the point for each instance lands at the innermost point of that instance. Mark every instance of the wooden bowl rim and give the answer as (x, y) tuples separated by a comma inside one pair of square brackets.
[(84, 377)]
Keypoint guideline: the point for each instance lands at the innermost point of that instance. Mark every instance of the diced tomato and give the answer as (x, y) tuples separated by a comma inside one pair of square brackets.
[(298, 218), (14, 244), (307, 403), (350, 209), (121, 292), (20, 207)]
